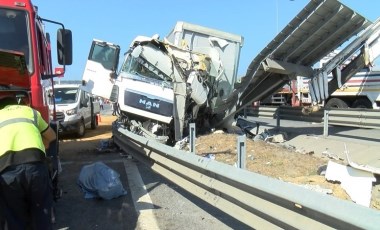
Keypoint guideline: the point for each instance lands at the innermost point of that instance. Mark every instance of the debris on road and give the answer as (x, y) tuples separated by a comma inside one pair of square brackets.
[(357, 183), (331, 155), (97, 180), (317, 188), (106, 146)]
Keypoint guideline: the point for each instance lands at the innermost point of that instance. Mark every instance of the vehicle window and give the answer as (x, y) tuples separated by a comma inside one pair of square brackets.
[(142, 68), (104, 55), (65, 95), (14, 33)]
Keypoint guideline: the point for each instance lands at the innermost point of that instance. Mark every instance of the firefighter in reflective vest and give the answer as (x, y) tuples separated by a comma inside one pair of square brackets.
[(25, 184)]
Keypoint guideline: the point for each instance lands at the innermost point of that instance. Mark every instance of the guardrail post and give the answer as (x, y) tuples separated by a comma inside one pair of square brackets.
[(326, 123), (241, 151), (192, 137), (277, 113)]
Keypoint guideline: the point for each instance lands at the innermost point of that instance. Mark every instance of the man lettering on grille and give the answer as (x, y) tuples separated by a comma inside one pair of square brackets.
[(25, 185)]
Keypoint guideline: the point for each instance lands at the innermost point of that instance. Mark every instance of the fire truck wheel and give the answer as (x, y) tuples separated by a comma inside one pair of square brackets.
[(336, 103), (362, 103)]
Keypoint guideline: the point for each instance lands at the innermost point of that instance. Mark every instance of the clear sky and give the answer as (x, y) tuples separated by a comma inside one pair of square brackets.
[(120, 21)]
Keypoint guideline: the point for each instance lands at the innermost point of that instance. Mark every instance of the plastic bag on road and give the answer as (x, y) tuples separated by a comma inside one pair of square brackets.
[(98, 180)]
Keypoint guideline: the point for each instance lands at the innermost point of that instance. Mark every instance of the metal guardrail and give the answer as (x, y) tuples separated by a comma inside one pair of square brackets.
[(258, 201), (362, 118), (284, 112)]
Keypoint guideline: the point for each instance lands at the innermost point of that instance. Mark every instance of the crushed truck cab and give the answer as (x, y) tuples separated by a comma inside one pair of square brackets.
[(164, 85)]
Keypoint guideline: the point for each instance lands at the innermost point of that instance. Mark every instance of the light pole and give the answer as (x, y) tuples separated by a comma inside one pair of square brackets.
[(276, 17)]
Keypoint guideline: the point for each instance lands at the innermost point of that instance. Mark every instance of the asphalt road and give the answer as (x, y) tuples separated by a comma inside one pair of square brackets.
[(155, 203)]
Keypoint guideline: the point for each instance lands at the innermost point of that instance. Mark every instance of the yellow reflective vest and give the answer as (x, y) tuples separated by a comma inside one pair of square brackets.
[(21, 128)]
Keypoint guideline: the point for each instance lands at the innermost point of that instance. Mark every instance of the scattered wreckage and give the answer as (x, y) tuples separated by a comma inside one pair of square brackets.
[(190, 76)]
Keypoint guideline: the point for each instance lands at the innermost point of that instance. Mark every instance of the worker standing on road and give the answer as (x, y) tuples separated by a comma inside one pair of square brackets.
[(25, 185), (101, 103)]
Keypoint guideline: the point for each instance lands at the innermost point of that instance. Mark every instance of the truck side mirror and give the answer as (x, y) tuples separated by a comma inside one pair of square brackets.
[(64, 47)]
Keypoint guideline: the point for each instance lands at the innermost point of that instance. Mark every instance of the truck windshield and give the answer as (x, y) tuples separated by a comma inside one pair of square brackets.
[(138, 66), (65, 95), (14, 33)]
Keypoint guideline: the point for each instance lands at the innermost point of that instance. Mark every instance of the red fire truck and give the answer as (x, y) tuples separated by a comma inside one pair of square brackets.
[(26, 63)]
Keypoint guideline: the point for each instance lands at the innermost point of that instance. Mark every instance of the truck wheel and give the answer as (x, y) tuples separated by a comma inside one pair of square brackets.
[(81, 129), (336, 103), (362, 103), (94, 122)]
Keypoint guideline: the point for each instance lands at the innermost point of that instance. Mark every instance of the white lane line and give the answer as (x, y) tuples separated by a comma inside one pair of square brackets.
[(90, 162), (141, 199)]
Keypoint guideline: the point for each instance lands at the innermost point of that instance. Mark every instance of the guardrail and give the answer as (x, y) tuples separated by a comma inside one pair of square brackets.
[(362, 118), (283, 112), (258, 201)]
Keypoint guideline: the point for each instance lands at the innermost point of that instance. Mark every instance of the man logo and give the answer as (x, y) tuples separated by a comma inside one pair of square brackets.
[(149, 104)]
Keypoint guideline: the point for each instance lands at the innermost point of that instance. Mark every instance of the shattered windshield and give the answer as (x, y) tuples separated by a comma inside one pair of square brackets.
[(65, 95), (138, 66), (14, 33)]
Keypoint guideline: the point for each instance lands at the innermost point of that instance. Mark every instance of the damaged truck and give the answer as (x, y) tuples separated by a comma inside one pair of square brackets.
[(164, 85), (190, 76)]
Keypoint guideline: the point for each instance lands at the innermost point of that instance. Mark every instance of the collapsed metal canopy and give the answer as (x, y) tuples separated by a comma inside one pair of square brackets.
[(321, 27)]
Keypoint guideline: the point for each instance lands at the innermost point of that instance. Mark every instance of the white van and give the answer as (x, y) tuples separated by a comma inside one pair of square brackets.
[(75, 109)]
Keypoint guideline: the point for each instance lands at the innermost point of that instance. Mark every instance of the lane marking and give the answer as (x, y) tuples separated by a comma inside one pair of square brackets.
[(140, 196), (90, 162)]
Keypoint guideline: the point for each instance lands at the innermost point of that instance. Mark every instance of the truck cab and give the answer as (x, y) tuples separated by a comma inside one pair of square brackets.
[(75, 109)]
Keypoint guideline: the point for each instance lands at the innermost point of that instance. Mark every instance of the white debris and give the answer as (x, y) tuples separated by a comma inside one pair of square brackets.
[(181, 144), (210, 156), (317, 188), (219, 131), (331, 155), (357, 183), (278, 138)]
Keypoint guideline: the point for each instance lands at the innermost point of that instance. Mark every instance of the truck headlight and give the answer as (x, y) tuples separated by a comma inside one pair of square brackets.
[(71, 111)]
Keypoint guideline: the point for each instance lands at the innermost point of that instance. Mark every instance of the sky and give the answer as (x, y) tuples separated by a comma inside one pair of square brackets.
[(120, 21)]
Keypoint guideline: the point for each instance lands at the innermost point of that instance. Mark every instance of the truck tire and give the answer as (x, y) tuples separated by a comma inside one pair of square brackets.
[(336, 103), (362, 103), (81, 129), (94, 121)]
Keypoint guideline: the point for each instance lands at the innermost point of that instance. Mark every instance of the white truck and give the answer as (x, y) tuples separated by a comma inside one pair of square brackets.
[(75, 109), (163, 86), (361, 91)]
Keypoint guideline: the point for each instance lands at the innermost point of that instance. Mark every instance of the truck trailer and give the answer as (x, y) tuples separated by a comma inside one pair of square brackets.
[(362, 90)]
